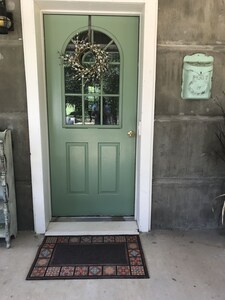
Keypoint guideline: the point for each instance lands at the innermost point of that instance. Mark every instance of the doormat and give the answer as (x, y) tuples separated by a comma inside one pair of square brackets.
[(89, 257)]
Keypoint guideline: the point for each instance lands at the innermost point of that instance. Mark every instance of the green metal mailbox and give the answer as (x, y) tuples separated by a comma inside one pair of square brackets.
[(197, 76)]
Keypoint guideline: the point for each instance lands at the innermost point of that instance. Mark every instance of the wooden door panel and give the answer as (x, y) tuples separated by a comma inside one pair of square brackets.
[(77, 167), (92, 167), (109, 168)]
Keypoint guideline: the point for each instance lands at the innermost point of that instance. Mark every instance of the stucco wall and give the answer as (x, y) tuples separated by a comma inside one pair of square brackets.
[(185, 180), (13, 114)]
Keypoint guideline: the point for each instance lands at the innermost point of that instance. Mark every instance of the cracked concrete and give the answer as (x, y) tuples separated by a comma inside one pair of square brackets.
[(183, 265)]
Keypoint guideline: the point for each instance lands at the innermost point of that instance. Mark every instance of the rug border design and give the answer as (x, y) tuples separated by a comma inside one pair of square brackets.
[(136, 268)]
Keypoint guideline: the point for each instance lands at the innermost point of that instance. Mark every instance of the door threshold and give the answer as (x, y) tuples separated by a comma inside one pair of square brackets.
[(92, 228), (91, 219)]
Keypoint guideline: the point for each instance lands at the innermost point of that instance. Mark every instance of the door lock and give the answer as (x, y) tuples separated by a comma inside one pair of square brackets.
[(131, 133)]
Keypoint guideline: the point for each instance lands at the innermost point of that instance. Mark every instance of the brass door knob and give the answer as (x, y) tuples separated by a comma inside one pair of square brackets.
[(131, 133)]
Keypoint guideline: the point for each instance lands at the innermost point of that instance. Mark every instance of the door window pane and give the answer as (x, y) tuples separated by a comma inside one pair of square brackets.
[(72, 85), (92, 88), (92, 110), (111, 80), (111, 111), (73, 110), (113, 52)]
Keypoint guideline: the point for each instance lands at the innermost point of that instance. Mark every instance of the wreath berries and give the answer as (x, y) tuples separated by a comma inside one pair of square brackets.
[(89, 71)]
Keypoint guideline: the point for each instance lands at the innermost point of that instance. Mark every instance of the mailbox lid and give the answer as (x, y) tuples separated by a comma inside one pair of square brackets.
[(199, 58)]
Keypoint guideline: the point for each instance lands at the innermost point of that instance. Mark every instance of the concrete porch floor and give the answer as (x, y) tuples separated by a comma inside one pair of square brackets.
[(182, 265)]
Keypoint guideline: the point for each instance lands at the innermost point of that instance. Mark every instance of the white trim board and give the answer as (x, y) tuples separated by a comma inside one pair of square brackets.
[(92, 228), (32, 27)]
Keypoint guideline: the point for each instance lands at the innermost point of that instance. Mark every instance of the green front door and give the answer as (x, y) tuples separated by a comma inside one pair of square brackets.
[(92, 156)]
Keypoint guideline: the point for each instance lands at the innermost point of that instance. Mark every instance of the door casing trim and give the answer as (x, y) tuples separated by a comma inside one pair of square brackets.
[(33, 43)]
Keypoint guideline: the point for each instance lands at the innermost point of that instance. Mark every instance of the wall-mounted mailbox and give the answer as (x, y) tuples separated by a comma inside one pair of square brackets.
[(197, 76)]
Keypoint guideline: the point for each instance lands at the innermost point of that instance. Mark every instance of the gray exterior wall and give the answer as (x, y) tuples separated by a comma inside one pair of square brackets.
[(185, 181), (13, 114)]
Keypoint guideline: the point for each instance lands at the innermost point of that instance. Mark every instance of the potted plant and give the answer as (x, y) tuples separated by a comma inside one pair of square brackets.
[(219, 201)]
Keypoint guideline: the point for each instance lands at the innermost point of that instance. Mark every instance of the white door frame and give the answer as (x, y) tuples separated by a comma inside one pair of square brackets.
[(32, 23)]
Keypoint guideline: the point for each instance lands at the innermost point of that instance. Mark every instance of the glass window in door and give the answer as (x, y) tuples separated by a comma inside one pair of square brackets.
[(93, 102)]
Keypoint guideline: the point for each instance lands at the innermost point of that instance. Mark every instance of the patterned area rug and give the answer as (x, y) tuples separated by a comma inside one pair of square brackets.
[(89, 257)]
